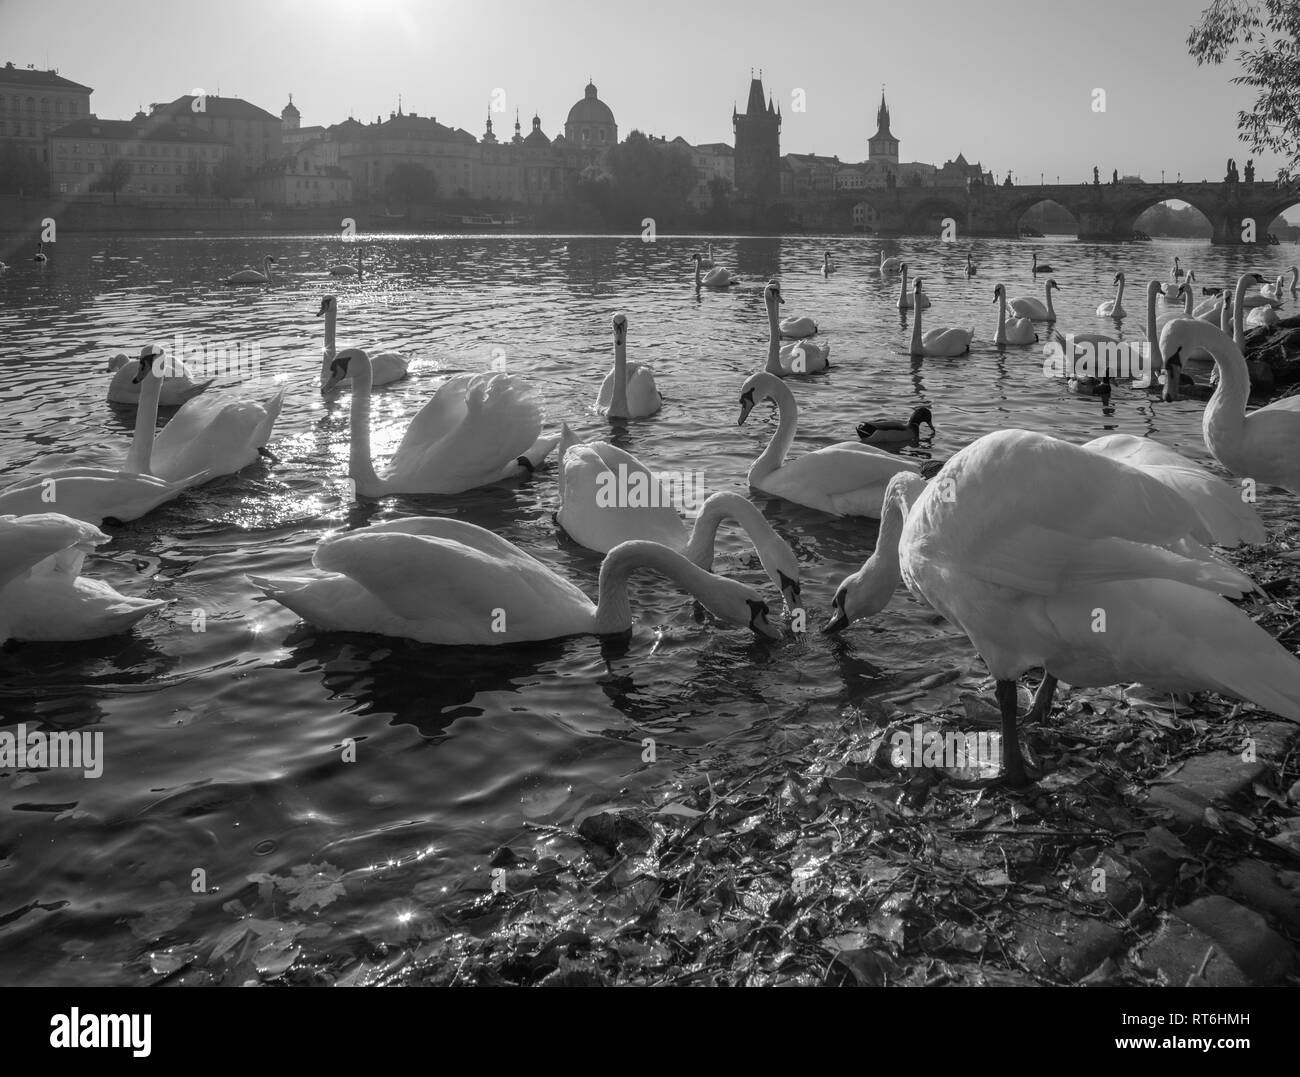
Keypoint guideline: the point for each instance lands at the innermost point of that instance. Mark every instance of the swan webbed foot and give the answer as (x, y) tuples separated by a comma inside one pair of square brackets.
[(1041, 709)]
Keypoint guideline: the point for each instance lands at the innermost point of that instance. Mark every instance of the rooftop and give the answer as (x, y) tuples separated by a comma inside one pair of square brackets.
[(30, 78), (148, 129), (225, 108)]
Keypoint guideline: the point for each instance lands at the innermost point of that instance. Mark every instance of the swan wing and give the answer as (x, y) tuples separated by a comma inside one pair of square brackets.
[(592, 511), (219, 433), (45, 542)]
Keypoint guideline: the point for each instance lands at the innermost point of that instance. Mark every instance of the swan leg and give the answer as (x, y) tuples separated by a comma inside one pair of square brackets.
[(1013, 767), (1042, 707)]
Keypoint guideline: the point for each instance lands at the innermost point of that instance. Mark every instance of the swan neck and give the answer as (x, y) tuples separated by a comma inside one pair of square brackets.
[(1002, 319), (719, 507), (139, 459), (1051, 311), (1153, 335), (916, 330), (773, 340), (1225, 415), (360, 466), (614, 609), (618, 398), (774, 455)]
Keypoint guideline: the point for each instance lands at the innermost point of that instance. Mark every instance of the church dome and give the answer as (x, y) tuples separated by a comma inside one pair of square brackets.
[(591, 109)]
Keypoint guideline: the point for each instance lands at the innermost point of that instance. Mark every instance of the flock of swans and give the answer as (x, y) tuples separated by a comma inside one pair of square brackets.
[(1019, 539)]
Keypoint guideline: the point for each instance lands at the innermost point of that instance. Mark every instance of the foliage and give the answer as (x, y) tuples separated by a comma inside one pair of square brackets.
[(22, 174), (644, 178), (1266, 34)]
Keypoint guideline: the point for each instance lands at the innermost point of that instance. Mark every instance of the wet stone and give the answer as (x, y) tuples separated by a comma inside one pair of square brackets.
[(1064, 944), (1181, 955), (1243, 934)]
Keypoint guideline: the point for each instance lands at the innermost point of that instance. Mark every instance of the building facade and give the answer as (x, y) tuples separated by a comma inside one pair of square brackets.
[(303, 177), (253, 134), (158, 159), (34, 104)]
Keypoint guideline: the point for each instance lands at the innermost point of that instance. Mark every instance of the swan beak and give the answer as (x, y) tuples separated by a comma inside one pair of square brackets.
[(746, 406), (789, 591), (764, 627), (837, 623)]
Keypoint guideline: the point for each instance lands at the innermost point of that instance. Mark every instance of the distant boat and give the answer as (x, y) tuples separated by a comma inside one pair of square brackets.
[(1031, 233)]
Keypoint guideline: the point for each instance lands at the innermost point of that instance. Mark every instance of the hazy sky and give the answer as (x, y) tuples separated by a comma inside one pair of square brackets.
[(1007, 82)]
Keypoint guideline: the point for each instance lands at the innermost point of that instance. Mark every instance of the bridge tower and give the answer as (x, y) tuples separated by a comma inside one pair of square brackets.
[(758, 148)]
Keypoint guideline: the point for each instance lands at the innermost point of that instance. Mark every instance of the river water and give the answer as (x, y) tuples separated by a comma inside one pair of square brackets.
[(224, 748)]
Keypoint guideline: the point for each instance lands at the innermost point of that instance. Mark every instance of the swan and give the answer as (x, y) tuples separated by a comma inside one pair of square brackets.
[(387, 367), (971, 267), (1295, 280), (477, 429), (44, 597), (1262, 316), (590, 472), (1114, 308), (445, 581), (1028, 307), (1276, 290), (844, 479), (891, 264), (893, 431), (1042, 537), (1015, 331), (252, 276), (1261, 298), (716, 278), (628, 391), (343, 269), (906, 299), (946, 342), (707, 261), (1260, 445), (801, 357), (1178, 269), (98, 493), (1158, 377), (798, 327), (40, 255), (178, 384), (827, 268), (1044, 268)]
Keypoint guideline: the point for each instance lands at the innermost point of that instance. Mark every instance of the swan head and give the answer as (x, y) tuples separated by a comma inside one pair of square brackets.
[(338, 368), (619, 321), (1173, 377), (772, 294), (999, 290), (1118, 277), (149, 354), (861, 594), (916, 284), (757, 387), (328, 302), (1051, 283)]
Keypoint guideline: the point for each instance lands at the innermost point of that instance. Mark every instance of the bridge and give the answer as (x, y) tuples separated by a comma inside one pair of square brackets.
[(1105, 211)]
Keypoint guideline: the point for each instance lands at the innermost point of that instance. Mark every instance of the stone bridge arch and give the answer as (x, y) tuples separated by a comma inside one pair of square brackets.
[(926, 214), (1136, 200)]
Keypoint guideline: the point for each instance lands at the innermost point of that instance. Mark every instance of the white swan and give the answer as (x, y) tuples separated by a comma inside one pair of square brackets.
[(629, 390), (40, 255), (1276, 290), (891, 264), (252, 276), (44, 597), (1014, 331), (1044, 268), (446, 581), (344, 269), (798, 326), (1026, 306), (1023, 542), (1261, 445), (801, 357), (895, 431), (1262, 298), (946, 342), (178, 384), (97, 493), (386, 367), (608, 496), (1295, 280), (1178, 269), (1262, 316), (1114, 308), (827, 268), (844, 479), (913, 298), (476, 430), (716, 278), (1159, 377)]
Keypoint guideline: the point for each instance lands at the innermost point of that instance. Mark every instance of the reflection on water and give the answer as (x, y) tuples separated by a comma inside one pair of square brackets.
[(227, 749)]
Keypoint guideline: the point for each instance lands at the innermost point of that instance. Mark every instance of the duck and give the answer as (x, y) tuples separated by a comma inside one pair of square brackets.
[(1091, 386), (843, 479), (387, 367), (1026, 306), (40, 255), (445, 581), (945, 342), (971, 267), (913, 299), (716, 278), (1040, 267), (1114, 308), (1043, 535), (178, 384), (629, 390), (343, 269), (95, 494), (894, 431), (801, 357), (476, 430), (1260, 445), (1013, 331), (594, 474), (252, 276), (43, 595), (891, 264)]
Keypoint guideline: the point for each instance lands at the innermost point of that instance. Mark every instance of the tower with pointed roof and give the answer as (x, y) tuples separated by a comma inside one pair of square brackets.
[(488, 136), (758, 146), (883, 146)]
